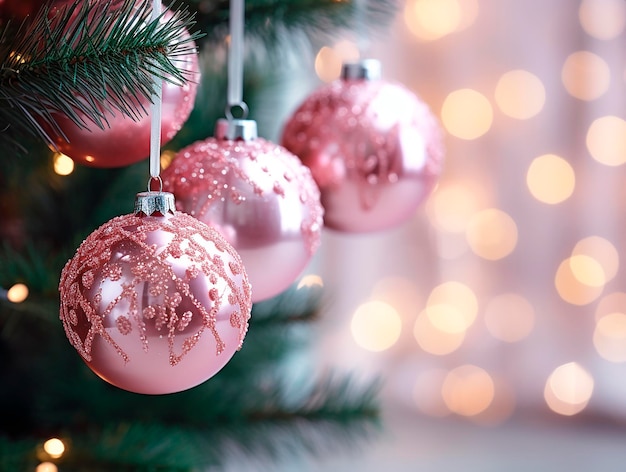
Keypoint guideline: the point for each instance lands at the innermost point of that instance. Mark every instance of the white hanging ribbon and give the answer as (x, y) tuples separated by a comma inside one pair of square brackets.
[(235, 57), (362, 39), (155, 112)]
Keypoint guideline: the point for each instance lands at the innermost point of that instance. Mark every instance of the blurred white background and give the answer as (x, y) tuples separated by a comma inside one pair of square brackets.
[(497, 315)]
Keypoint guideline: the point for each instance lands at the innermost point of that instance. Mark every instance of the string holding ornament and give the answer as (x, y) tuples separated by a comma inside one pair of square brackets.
[(156, 114), (256, 193), (156, 301)]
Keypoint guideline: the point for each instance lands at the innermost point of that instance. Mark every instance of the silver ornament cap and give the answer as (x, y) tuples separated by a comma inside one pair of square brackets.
[(234, 129), (149, 203), (366, 69)]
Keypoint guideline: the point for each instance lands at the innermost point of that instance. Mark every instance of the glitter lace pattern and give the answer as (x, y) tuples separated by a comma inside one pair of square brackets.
[(154, 267), (359, 125), (219, 170)]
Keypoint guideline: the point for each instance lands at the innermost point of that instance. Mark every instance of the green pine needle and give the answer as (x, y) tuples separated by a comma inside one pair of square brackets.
[(293, 305), (332, 414), (84, 60)]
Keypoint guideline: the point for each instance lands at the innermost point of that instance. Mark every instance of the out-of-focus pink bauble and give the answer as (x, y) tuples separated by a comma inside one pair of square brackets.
[(17, 10), (155, 304), (260, 197), (373, 147), (124, 141)]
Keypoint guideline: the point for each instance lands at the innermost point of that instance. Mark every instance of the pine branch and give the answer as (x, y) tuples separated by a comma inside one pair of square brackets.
[(17, 455), (34, 265), (333, 414), (82, 60), (292, 306), (248, 409), (269, 20)]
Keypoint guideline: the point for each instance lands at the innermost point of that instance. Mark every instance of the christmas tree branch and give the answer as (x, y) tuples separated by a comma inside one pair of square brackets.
[(332, 401), (82, 60), (333, 414), (32, 265), (291, 306), (268, 20), (250, 408), (327, 415)]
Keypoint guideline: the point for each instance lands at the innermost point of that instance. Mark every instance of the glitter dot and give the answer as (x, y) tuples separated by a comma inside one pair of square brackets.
[(123, 325)]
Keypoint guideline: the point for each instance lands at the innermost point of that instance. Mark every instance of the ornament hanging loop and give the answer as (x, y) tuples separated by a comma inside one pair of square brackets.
[(237, 111), (159, 180)]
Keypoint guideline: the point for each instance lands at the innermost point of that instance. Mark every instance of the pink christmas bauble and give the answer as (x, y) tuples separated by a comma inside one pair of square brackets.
[(155, 304), (260, 197), (373, 147), (17, 10), (124, 141)]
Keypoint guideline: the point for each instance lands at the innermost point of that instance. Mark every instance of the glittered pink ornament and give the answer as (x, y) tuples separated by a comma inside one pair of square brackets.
[(258, 195), (373, 147), (124, 141), (155, 304)]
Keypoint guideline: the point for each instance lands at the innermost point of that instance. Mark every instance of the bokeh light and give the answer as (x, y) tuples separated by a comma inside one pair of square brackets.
[(310, 280), (432, 19), (466, 114), (452, 307), (376, 326), (602, 19), (166, 158), (329, 60), (586, 75), (550, 179), (433, 340), (587, 270), (509, 317), (54, 447), (491, 234), (569, 286), (606, 140), (602, 251), (448, 318), (46, 467), (62, 164), (611, 303), (609, 337), (328, 64), (568, 389), (17, 293), (468, 390), (520, 94), (452, 205)]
